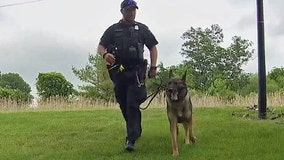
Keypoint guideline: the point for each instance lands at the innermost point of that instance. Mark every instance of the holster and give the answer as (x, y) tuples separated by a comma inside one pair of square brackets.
[(142, 70)]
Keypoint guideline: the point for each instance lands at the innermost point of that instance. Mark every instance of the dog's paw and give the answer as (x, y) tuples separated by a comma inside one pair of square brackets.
[(175, 154), (193, 139)]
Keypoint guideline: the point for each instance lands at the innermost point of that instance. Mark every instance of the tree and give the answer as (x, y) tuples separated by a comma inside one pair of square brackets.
[(251, 86), (209, 61), (272, 85), (13, 87), (95, 74), (15, 95), (14, 81), (277, 74), (53, 84)]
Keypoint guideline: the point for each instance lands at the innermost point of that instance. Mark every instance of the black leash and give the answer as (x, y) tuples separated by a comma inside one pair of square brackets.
[(154, 94)]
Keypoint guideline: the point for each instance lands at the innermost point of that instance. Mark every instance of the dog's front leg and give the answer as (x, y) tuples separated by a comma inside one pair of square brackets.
[(190, 131), (186, 129), (173, 128)]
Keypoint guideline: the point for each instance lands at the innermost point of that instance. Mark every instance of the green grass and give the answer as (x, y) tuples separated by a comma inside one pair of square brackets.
[(100, 134)]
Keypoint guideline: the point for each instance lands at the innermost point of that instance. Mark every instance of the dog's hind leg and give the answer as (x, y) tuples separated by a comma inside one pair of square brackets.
[(173, 129)]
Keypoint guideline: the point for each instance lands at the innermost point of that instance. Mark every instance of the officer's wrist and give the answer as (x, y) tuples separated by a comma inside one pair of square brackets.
[(104, 55)]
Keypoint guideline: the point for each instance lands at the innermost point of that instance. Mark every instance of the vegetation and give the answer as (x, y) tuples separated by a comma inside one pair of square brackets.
[(15, 95), (210, 63), (53, 84), (95, 74), (81, 102), (12, 86), (99, 134), (14, 81), (277, 77)]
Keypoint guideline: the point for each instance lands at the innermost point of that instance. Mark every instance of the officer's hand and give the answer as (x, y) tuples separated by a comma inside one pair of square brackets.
[(109, 58), (152, 72)]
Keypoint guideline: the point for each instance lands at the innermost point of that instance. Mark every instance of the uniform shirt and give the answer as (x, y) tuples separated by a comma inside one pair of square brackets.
[(121, 30)]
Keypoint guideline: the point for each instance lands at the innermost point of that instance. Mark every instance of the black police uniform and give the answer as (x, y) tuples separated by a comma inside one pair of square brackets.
[(126, 42)]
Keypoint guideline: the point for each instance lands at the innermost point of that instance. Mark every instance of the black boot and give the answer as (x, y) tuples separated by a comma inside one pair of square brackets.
[(129, 146)]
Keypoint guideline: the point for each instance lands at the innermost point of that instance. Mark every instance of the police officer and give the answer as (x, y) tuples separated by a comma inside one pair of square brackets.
[(122, 47)]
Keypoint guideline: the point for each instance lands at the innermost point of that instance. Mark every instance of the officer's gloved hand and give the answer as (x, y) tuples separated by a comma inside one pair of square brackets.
[(152, 72)]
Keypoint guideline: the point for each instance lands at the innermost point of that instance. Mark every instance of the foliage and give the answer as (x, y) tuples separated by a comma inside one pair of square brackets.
[(251, 86), (53, 84), (209, 62), (219, 89), (272, 85), (274, 82), (95, 74), (277, 75), (15, 95), (14, 81), (13, 87)]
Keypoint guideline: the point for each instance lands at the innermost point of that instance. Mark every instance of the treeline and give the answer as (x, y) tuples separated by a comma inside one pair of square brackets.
[(211, 70), (51, 84)]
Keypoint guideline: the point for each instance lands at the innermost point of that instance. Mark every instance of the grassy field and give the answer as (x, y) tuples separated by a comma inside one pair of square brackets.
[(222, 133)]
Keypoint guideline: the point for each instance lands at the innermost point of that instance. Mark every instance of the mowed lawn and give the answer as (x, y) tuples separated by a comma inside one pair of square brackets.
[(100, 134)]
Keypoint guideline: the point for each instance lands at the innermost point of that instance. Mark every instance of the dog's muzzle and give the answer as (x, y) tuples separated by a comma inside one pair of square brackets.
[(173, 94)]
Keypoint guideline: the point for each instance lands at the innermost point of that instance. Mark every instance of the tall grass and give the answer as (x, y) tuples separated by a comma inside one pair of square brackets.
[(273, 99), (58, 103), (8, 104), (74, 103)]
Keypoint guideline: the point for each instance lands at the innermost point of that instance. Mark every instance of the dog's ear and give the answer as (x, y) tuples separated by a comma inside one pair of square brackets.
[(184, 76), (171, 73)]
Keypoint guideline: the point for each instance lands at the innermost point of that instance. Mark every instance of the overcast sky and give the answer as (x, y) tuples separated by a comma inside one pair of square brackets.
[(54, 35)]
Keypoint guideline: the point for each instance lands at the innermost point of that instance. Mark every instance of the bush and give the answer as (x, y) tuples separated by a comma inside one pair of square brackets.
[(15, 95), (53, 84)]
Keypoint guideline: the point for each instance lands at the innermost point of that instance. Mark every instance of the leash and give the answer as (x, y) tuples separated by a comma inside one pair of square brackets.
[(154, 94)]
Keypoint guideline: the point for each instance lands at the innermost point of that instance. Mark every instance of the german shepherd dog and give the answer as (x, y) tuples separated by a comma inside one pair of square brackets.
[(179, 110)]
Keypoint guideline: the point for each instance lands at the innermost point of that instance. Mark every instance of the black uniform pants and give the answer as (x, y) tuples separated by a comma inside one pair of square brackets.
[(130, 95)]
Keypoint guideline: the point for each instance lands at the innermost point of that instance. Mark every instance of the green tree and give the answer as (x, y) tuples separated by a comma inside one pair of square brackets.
[(13, 87), (277, 74), (209, 61), (53, 84), (272, 85), (219, 88), (251, 86), (15, 95), (95, 74), (14, 81)]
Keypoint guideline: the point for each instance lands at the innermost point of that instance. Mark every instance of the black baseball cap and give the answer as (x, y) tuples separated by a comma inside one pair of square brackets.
[(128, 4)]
